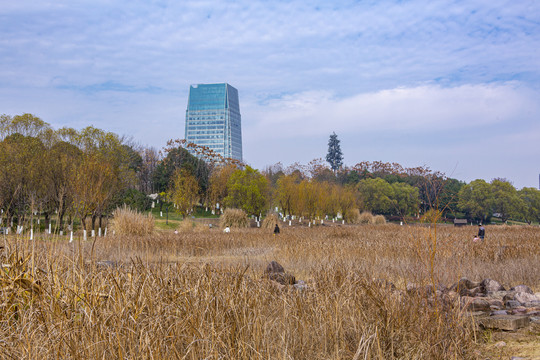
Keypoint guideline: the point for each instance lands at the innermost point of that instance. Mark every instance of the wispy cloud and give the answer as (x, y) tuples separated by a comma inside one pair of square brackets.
[(419, 109)]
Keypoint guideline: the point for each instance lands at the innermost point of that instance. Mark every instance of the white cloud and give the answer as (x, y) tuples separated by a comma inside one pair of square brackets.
[(419, 109)]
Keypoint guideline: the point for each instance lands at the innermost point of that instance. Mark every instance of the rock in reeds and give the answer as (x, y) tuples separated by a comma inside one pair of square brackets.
[(522, 288), (524, 298), (282, 278), (274, 267), (475, 304), (490, 285), (275, 272), (464, 283)]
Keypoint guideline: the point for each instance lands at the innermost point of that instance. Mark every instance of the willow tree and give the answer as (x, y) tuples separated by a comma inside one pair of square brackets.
[(248, 190), (184, 192)]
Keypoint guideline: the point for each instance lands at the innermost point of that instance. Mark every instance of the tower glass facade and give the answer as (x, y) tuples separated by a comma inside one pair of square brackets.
[(213, 119)]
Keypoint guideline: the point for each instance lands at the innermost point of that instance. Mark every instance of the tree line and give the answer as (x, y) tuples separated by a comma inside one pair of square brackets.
[(66, 173), (69, 174)]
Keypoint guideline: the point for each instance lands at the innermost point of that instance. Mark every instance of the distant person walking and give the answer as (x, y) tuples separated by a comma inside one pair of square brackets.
[(481, 231), (276, 229)]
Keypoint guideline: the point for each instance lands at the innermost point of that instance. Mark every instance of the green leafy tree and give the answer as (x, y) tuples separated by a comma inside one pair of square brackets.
[(132, 198), (334, 156), (179, 158), (476, 199), (530, 210), (247, 190), (376, 195), (406, 199), (505, 199), (448, 196)]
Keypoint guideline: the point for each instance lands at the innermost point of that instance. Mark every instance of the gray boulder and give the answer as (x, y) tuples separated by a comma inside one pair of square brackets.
[(475, 304), (521, 297), (524, 297), (274, 267), (512, 304), (490, 285), (464, 283), (275, 272), (522, 288)]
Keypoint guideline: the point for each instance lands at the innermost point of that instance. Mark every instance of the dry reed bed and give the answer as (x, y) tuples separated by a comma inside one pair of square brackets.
[(193, 296), (509, 254)]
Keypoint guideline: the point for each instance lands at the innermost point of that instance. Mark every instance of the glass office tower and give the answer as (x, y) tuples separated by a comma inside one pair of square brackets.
[(213, 119)]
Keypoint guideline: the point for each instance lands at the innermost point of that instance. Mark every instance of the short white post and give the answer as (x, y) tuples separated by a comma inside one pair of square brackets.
[(343, 222), (50, 228), (84, 234), (289, 222), (161, 213), (99, 232), (31, 234), (71, 236)]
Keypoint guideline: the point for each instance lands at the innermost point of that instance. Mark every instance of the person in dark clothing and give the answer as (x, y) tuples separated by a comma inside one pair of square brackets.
[(481, 231), (276, 229)]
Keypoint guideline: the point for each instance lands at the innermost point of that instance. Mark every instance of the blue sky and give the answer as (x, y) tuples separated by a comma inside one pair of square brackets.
[(454, 85)]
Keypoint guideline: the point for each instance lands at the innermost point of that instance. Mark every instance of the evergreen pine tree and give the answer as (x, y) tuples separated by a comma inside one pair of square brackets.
[(334, 156)]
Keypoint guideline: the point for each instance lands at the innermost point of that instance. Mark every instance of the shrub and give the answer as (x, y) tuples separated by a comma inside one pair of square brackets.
[(365, 218), (352, 216), (270, 221), (379, 220), (131, 222), (432, 216), (234, 218)]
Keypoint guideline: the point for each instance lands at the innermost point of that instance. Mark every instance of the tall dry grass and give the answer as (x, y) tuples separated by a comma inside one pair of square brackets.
[(201, 295), (379, 220), (352, 216), (270, 221), (236, 218), (365, 217), (127, 221)]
